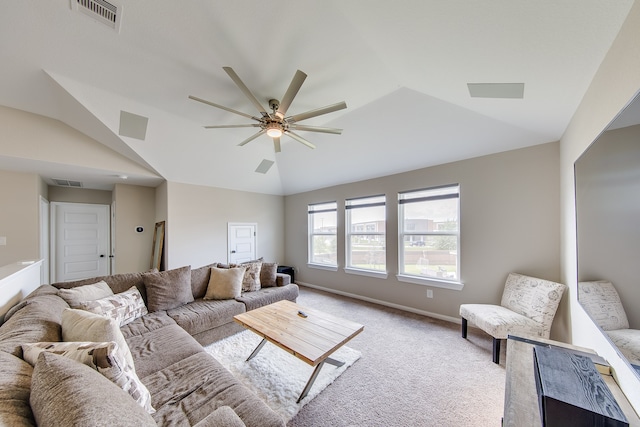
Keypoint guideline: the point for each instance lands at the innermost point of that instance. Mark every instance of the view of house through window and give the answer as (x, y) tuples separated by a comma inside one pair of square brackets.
[(323, 228), (366, 231), (429, 233)]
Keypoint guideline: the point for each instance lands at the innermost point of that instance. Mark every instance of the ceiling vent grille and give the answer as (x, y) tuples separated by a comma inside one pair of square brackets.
[(67, 183), (100, 10)]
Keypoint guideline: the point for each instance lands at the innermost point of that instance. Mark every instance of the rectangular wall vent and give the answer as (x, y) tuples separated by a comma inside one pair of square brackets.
[(100, 10), (67, 183)]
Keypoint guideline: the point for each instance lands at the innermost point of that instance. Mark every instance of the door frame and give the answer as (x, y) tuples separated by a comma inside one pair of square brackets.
[(230, 226), (53, 233)]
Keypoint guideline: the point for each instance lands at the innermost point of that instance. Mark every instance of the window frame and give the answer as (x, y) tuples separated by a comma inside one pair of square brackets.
[(403, 199), (363, 203), (331, 206)]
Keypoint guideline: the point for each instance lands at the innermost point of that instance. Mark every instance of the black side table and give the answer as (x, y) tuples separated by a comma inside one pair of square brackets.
[(287, 270)]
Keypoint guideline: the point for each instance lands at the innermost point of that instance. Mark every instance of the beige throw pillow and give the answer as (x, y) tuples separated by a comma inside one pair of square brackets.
[(168, 289), (68, 393), (81, 326), (79, 294), (104, 357), (124, 307), (225, 283)]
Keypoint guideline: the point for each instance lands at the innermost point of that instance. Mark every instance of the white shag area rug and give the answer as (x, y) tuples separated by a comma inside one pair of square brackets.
[(276, 376)]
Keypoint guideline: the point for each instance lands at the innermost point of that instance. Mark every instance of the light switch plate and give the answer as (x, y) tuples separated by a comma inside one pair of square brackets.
[(3, 241)]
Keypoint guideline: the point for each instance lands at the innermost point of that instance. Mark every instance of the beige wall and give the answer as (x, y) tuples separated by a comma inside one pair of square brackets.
[(615, 83), (509, 222), (197, 218), (20, 216), (134, 206)]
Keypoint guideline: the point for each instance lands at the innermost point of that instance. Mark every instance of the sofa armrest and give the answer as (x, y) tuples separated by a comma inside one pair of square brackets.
[(224, 416), (282, 279)]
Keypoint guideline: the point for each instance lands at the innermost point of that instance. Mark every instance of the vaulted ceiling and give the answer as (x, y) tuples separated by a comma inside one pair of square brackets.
[(402, 67)]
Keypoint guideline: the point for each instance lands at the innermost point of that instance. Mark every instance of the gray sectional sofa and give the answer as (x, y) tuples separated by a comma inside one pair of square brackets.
[(187, 386)]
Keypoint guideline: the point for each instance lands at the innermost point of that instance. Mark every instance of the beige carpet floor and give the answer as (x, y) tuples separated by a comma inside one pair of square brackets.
[(414, 371)]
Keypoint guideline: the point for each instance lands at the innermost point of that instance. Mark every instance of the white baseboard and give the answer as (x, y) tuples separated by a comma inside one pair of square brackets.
[(385, 303)]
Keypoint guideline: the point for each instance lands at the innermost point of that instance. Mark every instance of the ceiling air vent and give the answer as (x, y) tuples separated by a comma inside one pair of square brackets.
[(100, 10), (67, 183)]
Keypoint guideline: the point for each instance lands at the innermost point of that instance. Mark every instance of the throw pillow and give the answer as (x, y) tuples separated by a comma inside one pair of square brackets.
[(77, 295), (68, 393), (168, 289), (124, 307), (82, 326), (225, 283), (104, 357), (268, 274), (251, 280)]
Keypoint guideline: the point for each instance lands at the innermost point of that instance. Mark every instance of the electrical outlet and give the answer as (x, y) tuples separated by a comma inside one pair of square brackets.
[(429, 293)]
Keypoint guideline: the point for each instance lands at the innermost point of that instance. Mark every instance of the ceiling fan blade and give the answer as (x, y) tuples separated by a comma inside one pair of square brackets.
[(276, 144), (195, 98), (317, 112), (291, 93), (245, 90), (252, 137), (316, 129), (299, 139), (232, 126)]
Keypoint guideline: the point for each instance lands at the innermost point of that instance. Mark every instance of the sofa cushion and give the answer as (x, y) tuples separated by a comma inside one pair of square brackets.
[(194, 387), (15, 386), (253, 300), (39, 320), (83, 326), (104, 357), (200, 280), (202, 315), (224, 416), (67, 393), (124, 307), (159, 348), (268, 274), (168, 289), (147, 323), (80, 294), (225, 283)]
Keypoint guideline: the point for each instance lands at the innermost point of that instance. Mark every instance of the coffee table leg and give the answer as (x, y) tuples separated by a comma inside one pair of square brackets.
[(257, 349), (315, 375)]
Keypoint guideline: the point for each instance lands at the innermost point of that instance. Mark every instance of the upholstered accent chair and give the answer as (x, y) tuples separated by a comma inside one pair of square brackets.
[(527, 309), (601, 301)]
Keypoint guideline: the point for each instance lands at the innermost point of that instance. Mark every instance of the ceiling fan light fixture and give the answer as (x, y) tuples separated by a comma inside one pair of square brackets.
[(274, 130)]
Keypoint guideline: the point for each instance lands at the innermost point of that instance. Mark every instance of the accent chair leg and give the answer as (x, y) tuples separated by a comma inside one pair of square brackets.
[(496, 350), (464, 327)]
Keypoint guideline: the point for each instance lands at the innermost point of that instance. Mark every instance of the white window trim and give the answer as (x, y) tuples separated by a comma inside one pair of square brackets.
[(432, 282), (310, 234), (429, 281), (348, 234), (369, 273)]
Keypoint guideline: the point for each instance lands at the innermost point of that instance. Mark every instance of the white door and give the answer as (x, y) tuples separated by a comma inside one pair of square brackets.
[(242, 242), (81, 241)]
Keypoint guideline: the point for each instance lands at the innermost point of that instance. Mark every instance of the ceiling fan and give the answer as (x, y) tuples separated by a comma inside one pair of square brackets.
[(276, 123)]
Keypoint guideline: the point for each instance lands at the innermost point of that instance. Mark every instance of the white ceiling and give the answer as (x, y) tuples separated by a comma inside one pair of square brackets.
[(402, 67)]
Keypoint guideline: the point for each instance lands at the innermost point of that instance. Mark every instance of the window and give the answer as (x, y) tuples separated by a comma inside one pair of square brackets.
[(323, 238), (366, 231), (429, 233)]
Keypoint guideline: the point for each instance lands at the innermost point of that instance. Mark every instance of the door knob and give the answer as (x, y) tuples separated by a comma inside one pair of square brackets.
[(102, 256), (233, 252)]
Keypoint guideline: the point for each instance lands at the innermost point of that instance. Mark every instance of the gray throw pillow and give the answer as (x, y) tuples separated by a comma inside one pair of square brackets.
[(168, 289), (268, 274), (67, 393)]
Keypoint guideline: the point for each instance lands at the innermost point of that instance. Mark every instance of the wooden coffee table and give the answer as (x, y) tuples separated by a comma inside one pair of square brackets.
[(311, 339)]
